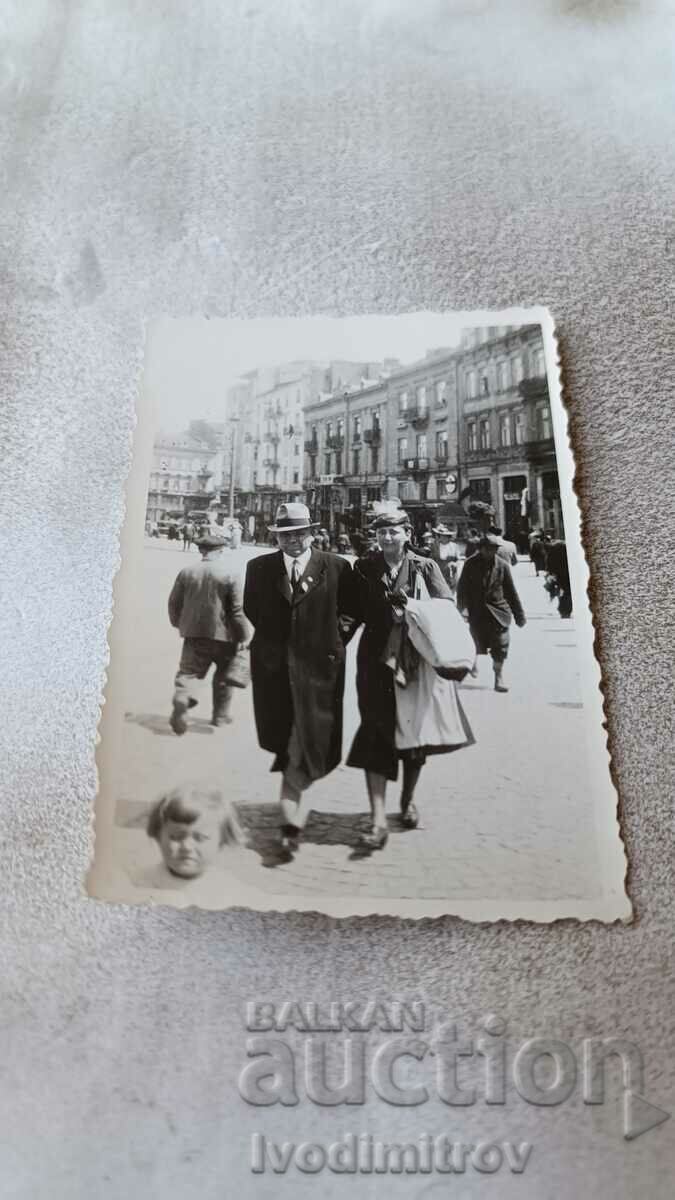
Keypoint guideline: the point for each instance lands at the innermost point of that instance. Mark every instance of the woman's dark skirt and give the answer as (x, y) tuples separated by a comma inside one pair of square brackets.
[(374, 747)]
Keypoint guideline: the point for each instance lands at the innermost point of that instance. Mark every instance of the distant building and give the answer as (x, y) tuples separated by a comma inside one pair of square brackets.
[(181, 477), (346, 452), (476, 416), (272, 404), (506, 448)]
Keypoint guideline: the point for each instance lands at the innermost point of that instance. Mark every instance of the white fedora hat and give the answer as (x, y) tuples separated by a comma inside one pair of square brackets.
[(292, 516)]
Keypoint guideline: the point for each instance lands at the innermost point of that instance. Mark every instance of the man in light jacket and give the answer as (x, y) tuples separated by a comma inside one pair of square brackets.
[(206, 606)]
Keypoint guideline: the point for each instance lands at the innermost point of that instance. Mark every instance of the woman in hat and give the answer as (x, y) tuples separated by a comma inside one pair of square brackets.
[(446, 554), (386, 663)]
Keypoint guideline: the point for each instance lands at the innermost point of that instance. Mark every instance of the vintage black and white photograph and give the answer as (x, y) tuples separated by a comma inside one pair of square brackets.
[(351, 656)]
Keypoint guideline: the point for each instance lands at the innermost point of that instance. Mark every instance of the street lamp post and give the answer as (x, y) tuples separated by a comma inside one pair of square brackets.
[(233, 455)]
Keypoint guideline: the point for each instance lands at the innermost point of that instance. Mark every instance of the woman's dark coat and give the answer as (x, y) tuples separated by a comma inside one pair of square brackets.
[(298, 656), (374, 746)]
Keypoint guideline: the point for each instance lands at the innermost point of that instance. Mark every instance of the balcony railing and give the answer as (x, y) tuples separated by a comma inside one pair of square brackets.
[(271, 462), (336, 442), (540, 448), (373, 436), (311, 446), (415, 464), (496, 452), (419, 417), (403, 419)]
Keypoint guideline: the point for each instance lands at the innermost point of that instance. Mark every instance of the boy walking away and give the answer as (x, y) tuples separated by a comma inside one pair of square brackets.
[(486, 591), (206, 607)]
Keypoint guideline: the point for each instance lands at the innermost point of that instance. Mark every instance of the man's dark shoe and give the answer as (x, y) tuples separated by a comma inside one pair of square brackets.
[(177, 722)]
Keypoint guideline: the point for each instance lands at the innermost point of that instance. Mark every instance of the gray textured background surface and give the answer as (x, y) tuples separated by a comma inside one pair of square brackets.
[(288, 156)]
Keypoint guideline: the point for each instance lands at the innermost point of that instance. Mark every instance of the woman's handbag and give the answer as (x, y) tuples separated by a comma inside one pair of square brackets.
[(239, 670)]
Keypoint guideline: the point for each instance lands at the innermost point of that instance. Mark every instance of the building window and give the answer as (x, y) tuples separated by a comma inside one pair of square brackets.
[(480, 490), (373, 493), (357, 429), (312, 467), (471, 385), (326, 465), (402, 449), (374, 456), (517, 369), (442, 446), (505, 429), (440, 393), (485, 385), (354, 495), (296, 450), (539, 362), (421, 445), (519, 428), (340, 427), (255, 478), (329, 429), (403, 402), (471, 435), (484, 434), (376, 419), (338, 462), (503, 376), (545, 427), (356, 462), (422, 396)]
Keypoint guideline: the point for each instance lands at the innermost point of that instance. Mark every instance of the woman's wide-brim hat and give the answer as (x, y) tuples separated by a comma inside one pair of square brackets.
[(292, 516), (442, 531)]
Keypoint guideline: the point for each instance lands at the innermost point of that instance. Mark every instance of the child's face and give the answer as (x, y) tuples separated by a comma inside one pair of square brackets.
[(188, 849)]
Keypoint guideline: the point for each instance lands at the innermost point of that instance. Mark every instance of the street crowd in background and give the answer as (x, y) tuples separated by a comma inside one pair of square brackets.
[(285, 630)]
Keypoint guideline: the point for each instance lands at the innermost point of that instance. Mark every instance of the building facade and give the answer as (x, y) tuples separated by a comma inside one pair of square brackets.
[(272, 406), (181, 477), (346, 462), (469, 423), (507, 451)]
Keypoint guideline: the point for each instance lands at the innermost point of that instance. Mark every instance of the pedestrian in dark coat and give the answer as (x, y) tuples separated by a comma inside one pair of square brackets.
[(556, 558), (487, 592), (205, 605), (298, 659), (383, 581), (538, 553)]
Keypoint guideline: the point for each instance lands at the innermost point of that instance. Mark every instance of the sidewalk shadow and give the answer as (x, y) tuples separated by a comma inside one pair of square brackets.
[(159, 724), (262, 825)]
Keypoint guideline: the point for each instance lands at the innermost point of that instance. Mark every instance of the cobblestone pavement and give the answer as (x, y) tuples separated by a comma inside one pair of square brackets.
[(506, 818)]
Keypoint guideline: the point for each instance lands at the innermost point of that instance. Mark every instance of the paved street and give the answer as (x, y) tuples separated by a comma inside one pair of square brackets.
[(506, 818)]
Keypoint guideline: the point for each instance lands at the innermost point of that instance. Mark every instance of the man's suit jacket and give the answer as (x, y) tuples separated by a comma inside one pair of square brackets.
[(488, 590), (206, 601)]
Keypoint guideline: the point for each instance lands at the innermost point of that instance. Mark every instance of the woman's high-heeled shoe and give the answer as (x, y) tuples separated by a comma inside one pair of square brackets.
[(410, 818), (376, 839)]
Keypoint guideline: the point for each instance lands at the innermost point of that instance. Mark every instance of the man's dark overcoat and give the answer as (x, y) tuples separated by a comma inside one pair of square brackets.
[(298, 656)]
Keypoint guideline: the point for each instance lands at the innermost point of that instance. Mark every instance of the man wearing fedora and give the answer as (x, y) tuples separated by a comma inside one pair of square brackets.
[(206, 607), (298, 600)]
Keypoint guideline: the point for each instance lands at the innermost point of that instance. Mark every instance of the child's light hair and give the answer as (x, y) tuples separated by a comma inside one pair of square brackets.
[(186, 803)]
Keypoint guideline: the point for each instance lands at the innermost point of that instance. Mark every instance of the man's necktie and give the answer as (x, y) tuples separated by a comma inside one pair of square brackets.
[(295, 576)]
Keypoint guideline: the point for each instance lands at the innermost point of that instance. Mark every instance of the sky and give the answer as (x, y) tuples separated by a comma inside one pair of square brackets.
[(191, 362)]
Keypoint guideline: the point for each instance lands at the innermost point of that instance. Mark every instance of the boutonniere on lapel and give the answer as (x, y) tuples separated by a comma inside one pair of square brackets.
[(306, 582)]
